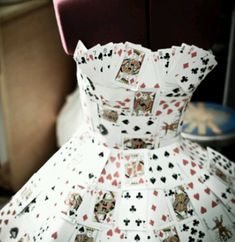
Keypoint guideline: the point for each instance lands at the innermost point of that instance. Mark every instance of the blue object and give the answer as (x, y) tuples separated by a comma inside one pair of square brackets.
[(204, 121)]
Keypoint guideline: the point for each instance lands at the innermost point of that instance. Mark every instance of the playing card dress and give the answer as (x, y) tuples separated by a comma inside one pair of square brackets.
[(127, 175)]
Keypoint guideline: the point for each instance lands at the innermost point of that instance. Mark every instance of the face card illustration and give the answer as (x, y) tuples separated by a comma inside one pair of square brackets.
[(130, 66), (220, 226), (72, 204), (104, 207), (134, 168), (143, 103), (139, 142), (168, 234), (169, 111), (221, 175), (84, 234), (180, 203), (109, 114)]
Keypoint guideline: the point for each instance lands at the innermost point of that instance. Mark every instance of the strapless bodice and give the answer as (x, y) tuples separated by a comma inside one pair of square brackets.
[(134, 98)]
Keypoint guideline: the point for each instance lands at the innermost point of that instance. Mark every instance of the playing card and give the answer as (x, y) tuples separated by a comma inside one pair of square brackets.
[(201, 197), (132, 211), (84, 233), (156, 67), (192, 68), (167, 234), (26, 194), (120, 99), (159, 213), (70, 198), (111, 176), (112, 235), (133, 125), (143, 103), (164, 60), (223, 192), (134, 165), (92, 61), (102, 63), (130, 66), (88, 173), (79, 51), (138, 142), (220, 227), (222, 163), (12, 229), (104, 208), (147, 79), (179, 203), (196, 152), (143, 236), (98, 209), (162, 170), (108, 130), (193, 230), (169, 111), (190, 168)]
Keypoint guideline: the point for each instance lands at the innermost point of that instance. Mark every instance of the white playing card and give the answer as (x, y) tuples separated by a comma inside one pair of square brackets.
[(162, 170), (88, 172), (196, 152), (120, 99), (111, 176), (79, 50), (134, 169), (112, 235), (179, 203), (26, 194), (221, 162), (128, 69), (54, 229), (102, 62), (168, 233), (140, 236), (132, 211), (193, 230), (133, 125), (220, 226), (159, 213), (201, 197), (147, 78)]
